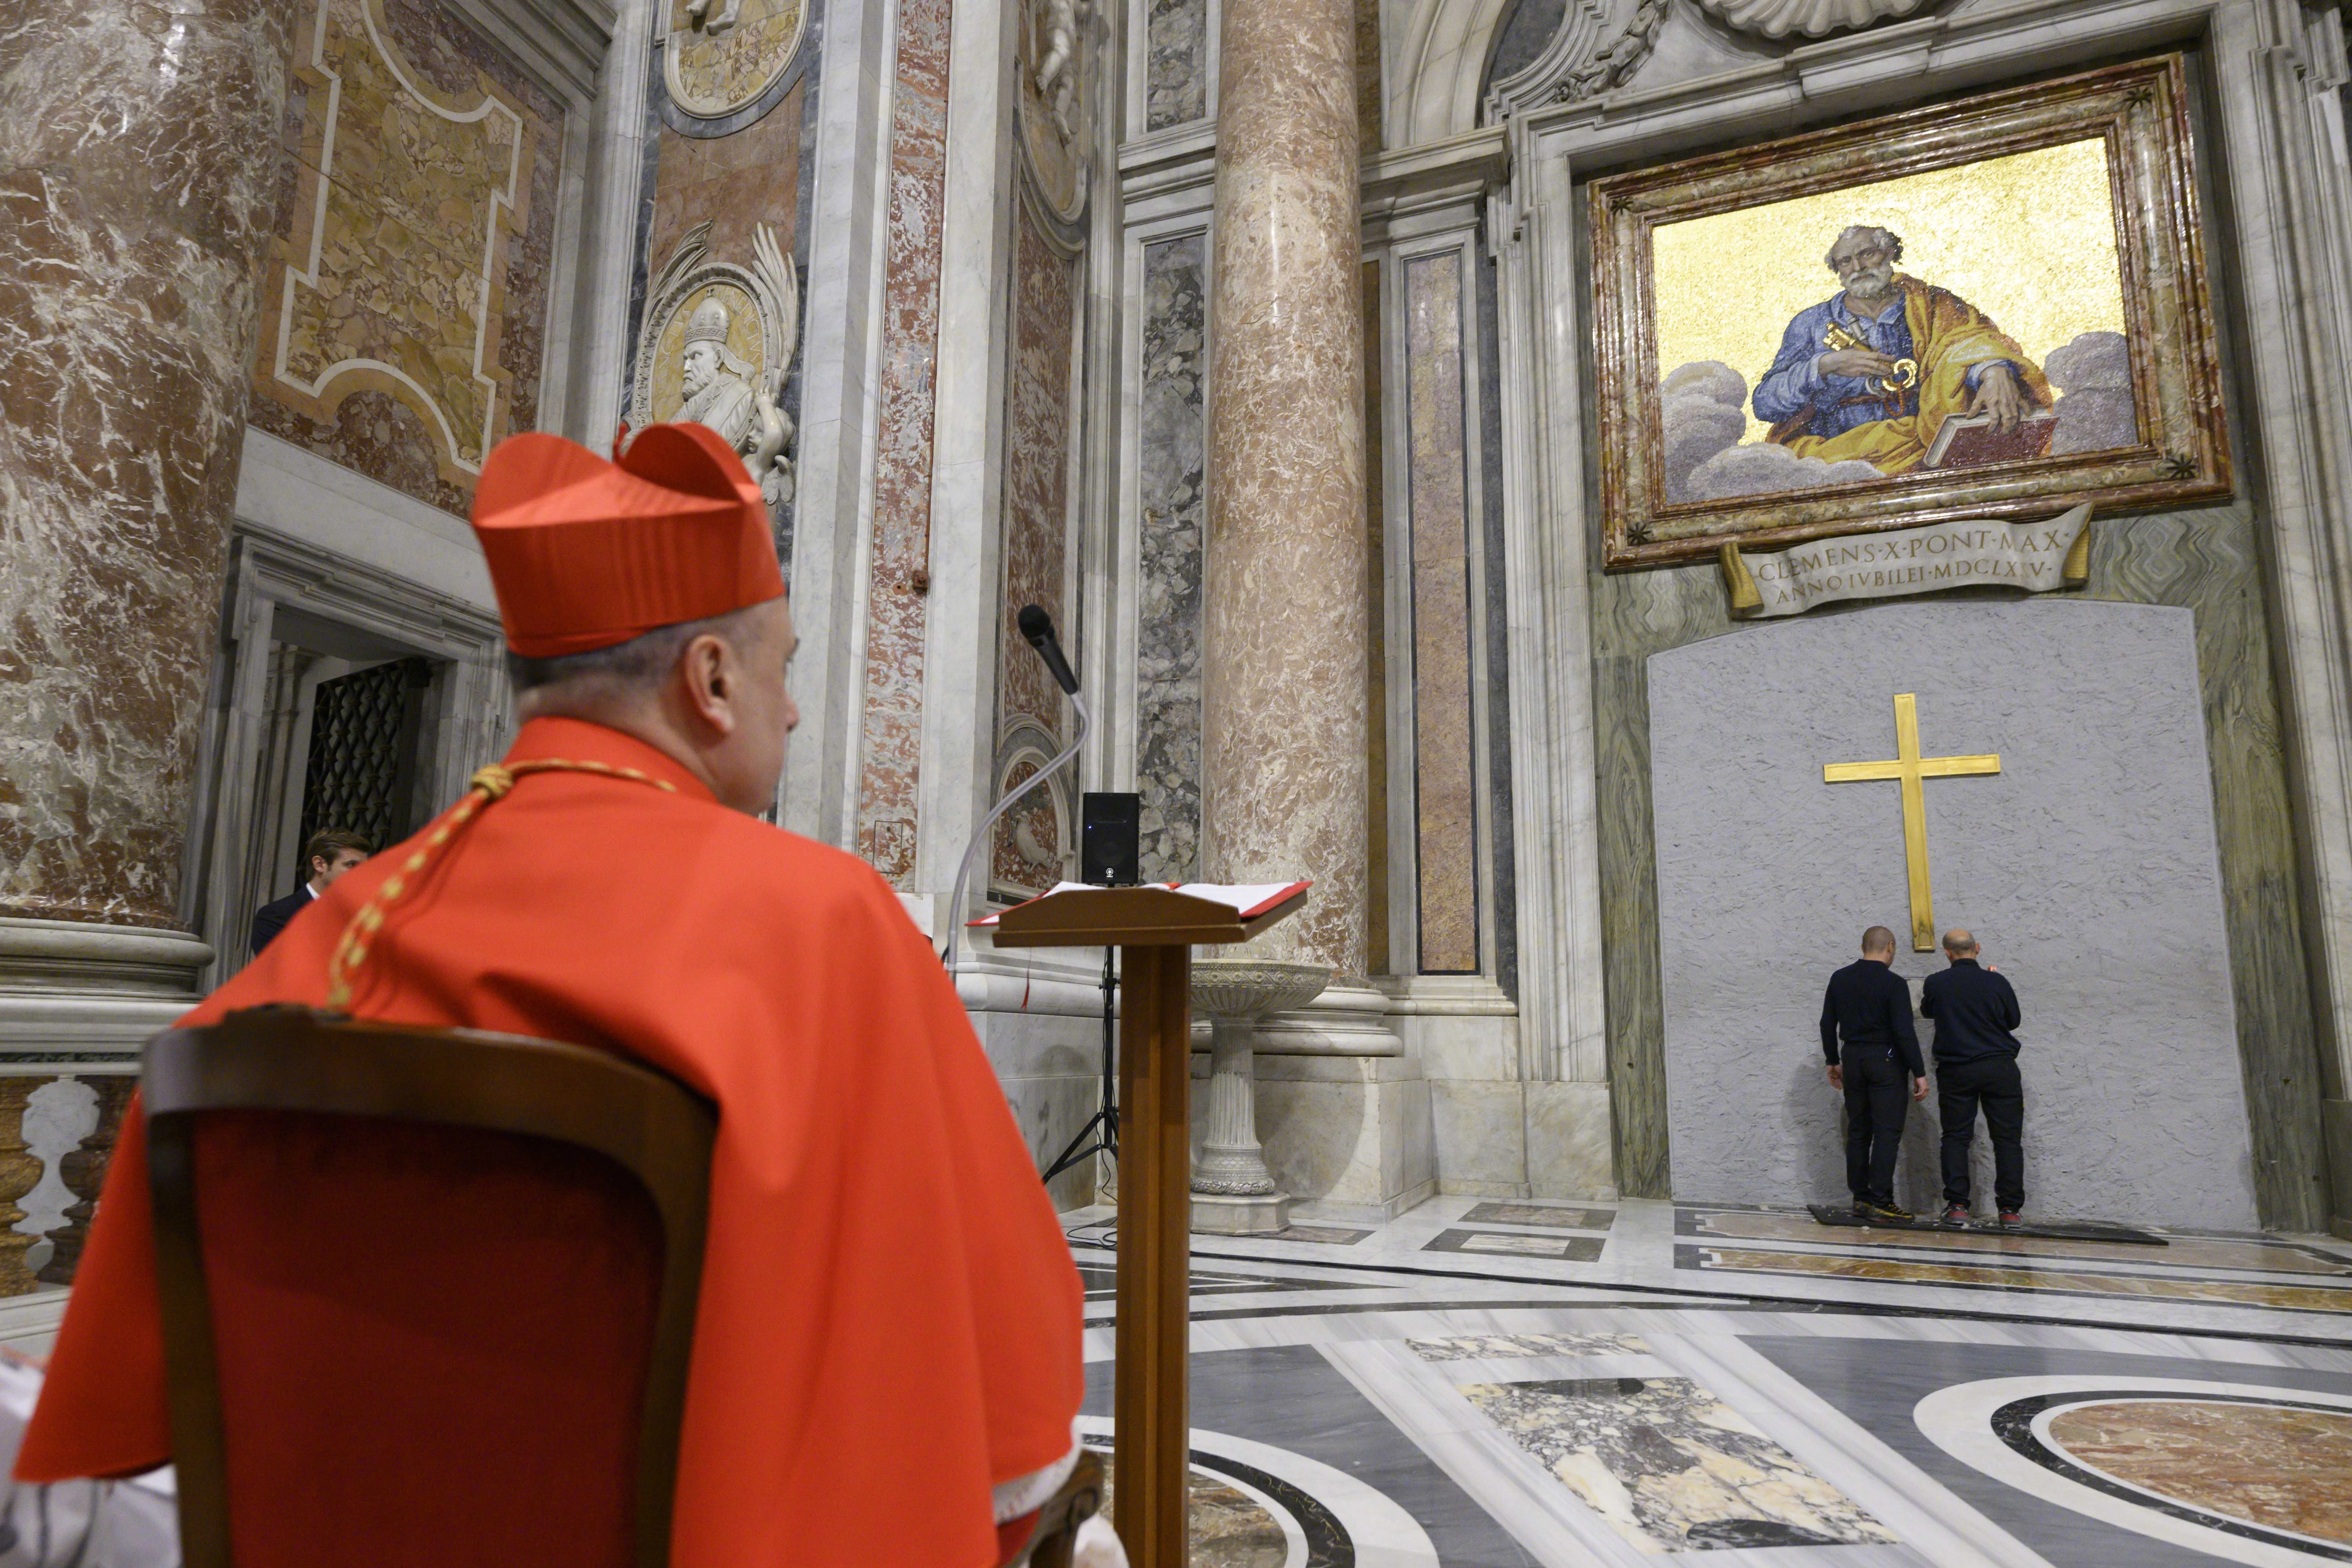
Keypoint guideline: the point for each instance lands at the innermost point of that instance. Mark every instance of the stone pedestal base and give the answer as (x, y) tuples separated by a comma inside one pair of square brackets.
[(1569, 1147), (71, 991), (1348, 1136), (1257, 1213), (1043, 1035)]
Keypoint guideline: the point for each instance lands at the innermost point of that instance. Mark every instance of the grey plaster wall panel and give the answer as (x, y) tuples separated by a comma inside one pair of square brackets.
[(2088, 867)]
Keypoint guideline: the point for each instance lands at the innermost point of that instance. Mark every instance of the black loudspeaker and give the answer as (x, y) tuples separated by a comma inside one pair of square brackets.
[(1109, 852)]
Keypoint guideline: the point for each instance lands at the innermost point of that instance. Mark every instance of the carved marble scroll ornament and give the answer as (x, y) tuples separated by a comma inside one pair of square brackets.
[(1778, 18), (1599, 45)]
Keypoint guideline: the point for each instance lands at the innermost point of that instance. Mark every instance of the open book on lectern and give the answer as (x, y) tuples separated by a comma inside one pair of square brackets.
[(1247, 901)]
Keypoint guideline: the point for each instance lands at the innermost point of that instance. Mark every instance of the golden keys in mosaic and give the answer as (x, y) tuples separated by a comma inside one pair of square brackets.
[(1910, 768), (1907, 371)]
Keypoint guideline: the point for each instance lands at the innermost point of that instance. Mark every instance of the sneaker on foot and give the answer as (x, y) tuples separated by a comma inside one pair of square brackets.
[(2011, 1216), (1890, 1213), (1956, 1214)]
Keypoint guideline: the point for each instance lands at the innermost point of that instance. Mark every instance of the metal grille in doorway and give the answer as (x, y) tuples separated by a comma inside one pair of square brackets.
[(361, 770)]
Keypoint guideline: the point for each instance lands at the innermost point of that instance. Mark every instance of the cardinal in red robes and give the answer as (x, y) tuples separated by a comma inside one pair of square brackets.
[(887, 1358)]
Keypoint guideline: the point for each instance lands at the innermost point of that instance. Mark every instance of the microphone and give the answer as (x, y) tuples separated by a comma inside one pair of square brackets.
[(1039, 627)]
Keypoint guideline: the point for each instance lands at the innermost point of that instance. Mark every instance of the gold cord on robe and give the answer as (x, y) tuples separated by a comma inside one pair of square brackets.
[(487, 785)]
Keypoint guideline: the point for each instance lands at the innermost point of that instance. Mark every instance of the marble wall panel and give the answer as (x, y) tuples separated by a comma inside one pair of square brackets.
[(892, 738), (1378, 959), (1368, 73), (137, 163), (1036, 533), (1445, 785), (1503, 849), (734, 184), (1173, 430), (1176, 67), (417, 223)]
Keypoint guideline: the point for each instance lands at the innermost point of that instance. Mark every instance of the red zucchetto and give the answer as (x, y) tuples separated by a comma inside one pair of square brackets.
[(585, 553)]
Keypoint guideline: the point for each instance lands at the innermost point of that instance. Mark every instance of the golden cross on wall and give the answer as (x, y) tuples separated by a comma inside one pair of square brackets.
[(1911, 768)]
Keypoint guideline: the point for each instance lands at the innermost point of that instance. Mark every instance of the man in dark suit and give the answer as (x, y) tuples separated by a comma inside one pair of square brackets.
[(1976, 1063), (331, 852), (1870, 1006)]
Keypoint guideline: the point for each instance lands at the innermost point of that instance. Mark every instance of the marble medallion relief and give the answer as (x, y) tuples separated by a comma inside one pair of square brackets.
[(394, 276), (722, 57), (1057, 52), (717, 341)]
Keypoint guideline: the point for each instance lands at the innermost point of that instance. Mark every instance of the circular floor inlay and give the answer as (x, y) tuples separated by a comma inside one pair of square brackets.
[(1228, 1529), (2274, 1466), (2242, 1472)]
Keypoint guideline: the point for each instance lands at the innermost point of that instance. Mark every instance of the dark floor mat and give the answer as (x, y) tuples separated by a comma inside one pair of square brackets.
[(2057, 1230)]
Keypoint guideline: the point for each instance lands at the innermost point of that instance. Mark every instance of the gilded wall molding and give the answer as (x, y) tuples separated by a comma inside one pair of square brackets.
[(393, 275)]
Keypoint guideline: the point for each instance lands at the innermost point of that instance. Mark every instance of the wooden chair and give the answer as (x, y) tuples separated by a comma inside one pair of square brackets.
[(428, 1295), (1072, 1505)]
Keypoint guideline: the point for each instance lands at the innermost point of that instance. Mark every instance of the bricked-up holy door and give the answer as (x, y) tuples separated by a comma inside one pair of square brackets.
[(361, 773)]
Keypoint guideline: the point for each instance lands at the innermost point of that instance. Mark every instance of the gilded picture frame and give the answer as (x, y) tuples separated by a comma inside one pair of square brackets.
[(1700, 261)]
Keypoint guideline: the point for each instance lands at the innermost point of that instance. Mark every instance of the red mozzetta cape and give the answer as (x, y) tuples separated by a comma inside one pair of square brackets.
[(890, 1321)]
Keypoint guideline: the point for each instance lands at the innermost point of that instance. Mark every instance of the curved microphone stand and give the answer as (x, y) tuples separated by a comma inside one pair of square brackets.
[(981, 835)]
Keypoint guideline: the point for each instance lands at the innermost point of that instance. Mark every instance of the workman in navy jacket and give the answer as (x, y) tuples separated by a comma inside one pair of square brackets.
[(1976, 1063), (1870, 1006)]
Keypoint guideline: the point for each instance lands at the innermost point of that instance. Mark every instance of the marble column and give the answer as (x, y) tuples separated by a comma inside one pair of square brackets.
[(1284, 616), (138, 167), (1285, 601), (139, 160)]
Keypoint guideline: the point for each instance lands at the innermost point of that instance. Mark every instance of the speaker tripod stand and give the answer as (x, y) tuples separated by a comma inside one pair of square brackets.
[(1103, 1125)]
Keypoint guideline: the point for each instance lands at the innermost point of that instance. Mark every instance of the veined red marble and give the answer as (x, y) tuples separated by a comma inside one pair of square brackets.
[(1036, 530), (892, 740), (138, 168), (735, 184), (1284, 632)]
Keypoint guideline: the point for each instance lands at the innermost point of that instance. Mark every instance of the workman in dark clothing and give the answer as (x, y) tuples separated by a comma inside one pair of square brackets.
[(1869, 1006), (1976, 1064)]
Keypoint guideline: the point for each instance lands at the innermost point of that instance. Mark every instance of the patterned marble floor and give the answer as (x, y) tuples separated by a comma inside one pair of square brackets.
[(1484, 1382)]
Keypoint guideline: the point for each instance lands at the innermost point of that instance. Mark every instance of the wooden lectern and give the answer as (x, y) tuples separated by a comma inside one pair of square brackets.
[(1156, 930)]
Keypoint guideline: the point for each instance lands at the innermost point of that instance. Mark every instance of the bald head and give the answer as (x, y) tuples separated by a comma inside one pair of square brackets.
[(1878, 943), (1958, 943)]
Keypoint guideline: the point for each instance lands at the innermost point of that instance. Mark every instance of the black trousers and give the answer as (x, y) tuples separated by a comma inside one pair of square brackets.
[(1878, 1095), (1992, 1082)]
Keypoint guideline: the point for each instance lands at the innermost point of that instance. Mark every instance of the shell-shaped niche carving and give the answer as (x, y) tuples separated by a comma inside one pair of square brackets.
[(1778, 18)]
